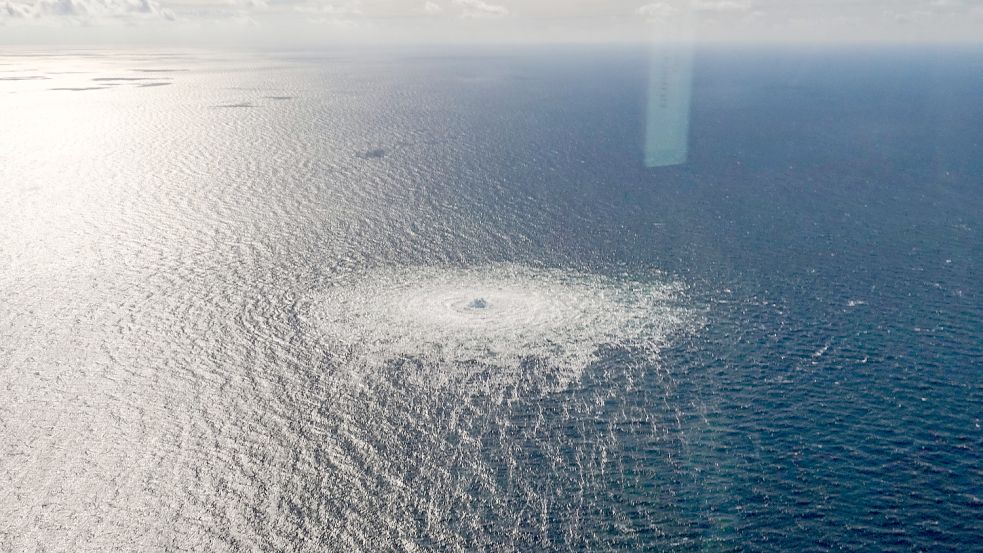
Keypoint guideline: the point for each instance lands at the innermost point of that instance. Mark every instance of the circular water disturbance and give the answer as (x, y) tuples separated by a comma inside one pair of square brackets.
[(496, 320)]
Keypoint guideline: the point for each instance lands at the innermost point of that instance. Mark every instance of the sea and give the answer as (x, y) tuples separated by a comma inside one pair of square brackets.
[(453, 299)]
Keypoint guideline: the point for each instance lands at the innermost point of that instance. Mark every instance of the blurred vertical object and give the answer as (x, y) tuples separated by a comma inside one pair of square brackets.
[(670, 85)]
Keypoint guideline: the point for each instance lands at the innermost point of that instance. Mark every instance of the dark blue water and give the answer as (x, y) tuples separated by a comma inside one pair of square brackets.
[(832, 211)]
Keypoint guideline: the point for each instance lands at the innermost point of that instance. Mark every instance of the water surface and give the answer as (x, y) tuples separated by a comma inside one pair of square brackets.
[(405, 301)]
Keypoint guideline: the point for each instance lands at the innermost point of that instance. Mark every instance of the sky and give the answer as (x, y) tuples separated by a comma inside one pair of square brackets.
[(296, 23)]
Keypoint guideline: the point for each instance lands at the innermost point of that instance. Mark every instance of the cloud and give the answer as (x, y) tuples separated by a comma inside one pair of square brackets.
[(15, 10), (343, 9), (149, 7), (261, 13), (934, 9), (251, 4), (84, 10), (657, 11), (668, 9), (479, 8), (254, 12), (432, 8), (547, 20), (945, 5), (722, 6)]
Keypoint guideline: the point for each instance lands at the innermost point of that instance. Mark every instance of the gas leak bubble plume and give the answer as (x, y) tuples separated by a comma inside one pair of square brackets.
[(484, 326)]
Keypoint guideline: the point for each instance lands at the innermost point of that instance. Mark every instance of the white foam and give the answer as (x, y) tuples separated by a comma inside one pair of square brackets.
[(456, 322)]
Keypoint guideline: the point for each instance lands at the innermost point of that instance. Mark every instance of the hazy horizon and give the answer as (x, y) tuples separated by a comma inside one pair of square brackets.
[(307, 23)]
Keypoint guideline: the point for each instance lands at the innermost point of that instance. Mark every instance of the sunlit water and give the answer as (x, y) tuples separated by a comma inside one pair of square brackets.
[(410, 302)]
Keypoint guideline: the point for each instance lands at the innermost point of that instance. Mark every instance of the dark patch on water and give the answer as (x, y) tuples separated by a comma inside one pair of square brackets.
[(124, 79), (148, 85), (374, 153), (236, 105), (79, 88)]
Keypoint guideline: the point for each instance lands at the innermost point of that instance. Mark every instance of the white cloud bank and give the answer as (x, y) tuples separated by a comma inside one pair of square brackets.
[(667, 9), (658, 11), (84, 10), (480, 9), (292, 21), (722, 6)]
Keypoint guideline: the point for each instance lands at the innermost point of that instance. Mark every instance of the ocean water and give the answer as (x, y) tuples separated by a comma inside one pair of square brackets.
[(427, 301)]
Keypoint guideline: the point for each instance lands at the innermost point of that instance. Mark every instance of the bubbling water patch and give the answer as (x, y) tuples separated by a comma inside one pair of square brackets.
[(493, 323)]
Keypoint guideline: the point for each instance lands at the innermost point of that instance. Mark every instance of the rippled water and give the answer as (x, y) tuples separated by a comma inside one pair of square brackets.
[(404, 301)]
